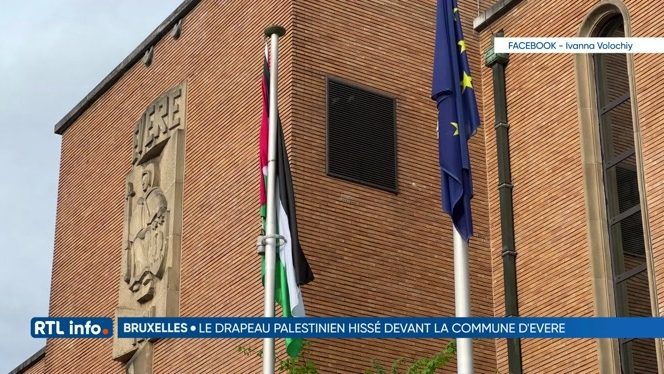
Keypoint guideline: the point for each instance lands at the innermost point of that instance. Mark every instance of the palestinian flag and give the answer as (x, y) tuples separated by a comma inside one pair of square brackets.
[(292, 269)]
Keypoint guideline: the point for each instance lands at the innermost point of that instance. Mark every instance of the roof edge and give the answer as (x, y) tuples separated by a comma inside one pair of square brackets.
[(492, 14), (135, 56), (30, 362)]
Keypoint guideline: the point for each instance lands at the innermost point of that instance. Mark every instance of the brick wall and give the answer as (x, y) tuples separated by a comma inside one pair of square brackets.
[(381, 254), (553, 271), (373, 253), (647, 23), (395, 257), (553, 258), (220, 272)]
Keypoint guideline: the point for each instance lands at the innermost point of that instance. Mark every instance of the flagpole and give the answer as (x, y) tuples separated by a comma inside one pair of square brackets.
[(272, 32), (462, 302)]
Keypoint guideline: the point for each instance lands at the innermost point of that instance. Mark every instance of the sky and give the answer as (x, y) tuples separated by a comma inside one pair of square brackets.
[(53, 53)]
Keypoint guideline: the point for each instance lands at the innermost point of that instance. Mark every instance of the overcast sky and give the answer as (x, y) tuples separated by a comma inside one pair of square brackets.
[(52, 53)]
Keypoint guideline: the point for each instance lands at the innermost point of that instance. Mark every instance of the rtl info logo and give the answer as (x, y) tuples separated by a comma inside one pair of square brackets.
[(64, 327)]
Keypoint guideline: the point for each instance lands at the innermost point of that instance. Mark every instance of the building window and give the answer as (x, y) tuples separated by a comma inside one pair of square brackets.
[(623, 205), (361, 136)]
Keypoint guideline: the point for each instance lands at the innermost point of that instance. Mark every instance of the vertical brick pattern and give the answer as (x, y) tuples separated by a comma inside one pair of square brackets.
[(375, 253)]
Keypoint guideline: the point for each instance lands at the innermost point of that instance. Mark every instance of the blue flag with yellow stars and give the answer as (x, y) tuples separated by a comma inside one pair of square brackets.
[(458, 116)]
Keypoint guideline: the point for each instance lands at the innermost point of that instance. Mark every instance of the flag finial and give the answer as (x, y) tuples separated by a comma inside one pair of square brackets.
[(274, 29)]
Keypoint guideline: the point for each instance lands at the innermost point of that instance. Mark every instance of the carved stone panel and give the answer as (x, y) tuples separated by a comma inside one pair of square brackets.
[(152, 228)]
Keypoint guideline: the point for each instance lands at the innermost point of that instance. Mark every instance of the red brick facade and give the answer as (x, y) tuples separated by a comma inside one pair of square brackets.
[(373, 253)]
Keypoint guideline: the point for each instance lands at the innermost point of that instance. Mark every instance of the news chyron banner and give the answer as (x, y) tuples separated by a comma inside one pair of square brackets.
[(578, 45), (350, 327)]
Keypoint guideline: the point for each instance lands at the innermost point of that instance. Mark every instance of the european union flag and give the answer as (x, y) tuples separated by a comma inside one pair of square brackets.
[(458, 117)]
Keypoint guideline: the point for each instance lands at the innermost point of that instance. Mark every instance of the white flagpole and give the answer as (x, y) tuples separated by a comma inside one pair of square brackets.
[(272, 32), (462, 302)]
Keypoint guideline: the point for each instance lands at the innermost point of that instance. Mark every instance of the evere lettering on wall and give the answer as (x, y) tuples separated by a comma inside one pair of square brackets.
[(156, 124), (152, 223)]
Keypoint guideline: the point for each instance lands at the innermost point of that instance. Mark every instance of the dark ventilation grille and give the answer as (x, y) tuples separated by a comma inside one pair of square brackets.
[(361, 136)]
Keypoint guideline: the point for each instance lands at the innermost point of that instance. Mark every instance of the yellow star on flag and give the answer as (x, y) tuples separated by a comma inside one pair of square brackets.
[(467, 82), (456, 10), (456, 128), (462, 44)]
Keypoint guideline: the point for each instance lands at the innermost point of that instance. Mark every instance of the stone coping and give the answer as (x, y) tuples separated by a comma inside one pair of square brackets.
[(494, 12)]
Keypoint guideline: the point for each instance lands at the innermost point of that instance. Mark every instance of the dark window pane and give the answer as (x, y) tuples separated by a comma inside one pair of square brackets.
[(613, 69), (361, 136), (622, 186), (639, 356), (616, 31), (644, 356), (627, 238), (617, 130), (638, 293)]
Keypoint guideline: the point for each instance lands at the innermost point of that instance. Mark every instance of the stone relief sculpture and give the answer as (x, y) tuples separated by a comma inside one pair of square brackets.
[(148, 236), (150, 284)]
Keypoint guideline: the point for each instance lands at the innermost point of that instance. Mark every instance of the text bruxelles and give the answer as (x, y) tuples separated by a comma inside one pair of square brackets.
[(352, 328)]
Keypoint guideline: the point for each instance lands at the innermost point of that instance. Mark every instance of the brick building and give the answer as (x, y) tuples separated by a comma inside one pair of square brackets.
[(579, 188)]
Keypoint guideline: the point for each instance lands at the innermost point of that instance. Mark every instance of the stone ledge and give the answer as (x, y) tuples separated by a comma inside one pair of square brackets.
[(494, 12), (135, 56), (30, 362)]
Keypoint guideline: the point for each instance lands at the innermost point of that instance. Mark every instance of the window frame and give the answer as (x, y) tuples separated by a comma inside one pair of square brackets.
[(601, 80)]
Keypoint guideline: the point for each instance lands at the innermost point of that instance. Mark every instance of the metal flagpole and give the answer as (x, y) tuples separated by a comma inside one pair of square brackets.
[(462, 301), (272, 32)]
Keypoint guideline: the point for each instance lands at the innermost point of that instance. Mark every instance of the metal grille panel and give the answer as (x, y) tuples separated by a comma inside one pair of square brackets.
[(361, 136)]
